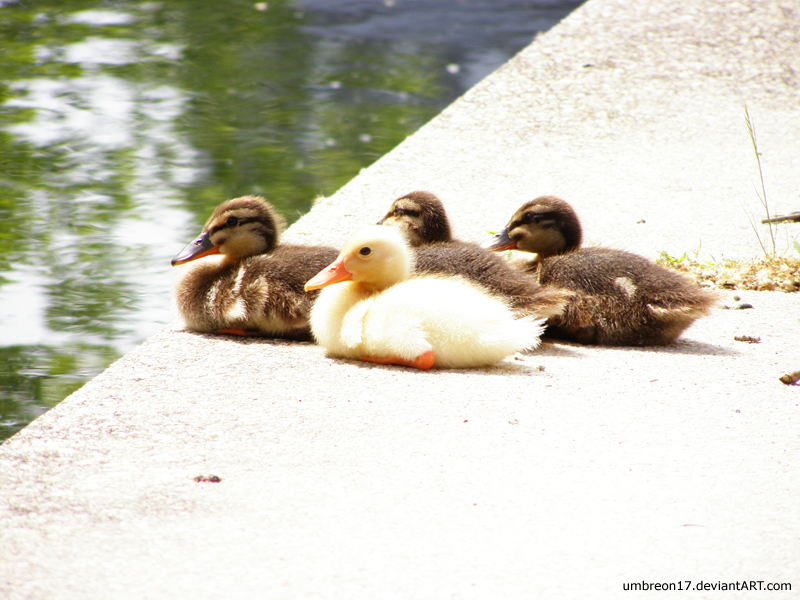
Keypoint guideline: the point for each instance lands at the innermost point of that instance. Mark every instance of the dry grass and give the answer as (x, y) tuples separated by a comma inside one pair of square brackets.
[(766, 274)]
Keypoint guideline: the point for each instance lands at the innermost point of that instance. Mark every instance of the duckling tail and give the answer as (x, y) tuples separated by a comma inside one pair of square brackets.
[(547, 302)]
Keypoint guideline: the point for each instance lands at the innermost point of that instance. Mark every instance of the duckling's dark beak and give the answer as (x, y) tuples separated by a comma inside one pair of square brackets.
[(500, 242), (197, 248), (333, 273)]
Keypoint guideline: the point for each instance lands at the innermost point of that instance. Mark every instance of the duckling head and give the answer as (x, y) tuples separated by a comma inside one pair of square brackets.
[(240, 227), (375, 258), (546, 226), (421, 217)]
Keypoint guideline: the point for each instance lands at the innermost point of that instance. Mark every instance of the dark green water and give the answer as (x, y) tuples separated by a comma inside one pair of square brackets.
[(124, 123)]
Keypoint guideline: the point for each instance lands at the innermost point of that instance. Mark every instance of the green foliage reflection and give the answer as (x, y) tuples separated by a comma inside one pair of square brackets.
[(117, 115)]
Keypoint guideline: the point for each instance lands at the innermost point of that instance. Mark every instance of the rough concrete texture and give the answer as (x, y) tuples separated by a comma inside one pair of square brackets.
[(566, 472)]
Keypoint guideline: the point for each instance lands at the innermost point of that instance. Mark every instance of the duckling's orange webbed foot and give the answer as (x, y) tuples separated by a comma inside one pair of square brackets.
[(423, 362), (241, 332)]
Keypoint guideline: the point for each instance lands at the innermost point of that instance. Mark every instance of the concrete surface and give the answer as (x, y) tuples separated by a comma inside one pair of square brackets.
[(567, 472)]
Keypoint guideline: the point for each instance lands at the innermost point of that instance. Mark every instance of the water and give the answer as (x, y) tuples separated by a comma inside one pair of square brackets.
[(124, 123)]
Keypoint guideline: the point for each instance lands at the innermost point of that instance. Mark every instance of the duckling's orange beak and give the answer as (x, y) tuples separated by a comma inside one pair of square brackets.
[(197, 248), (333, 273), (500, 242)]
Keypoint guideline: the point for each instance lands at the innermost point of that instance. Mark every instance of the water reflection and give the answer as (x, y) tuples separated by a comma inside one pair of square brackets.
[(124, 123)]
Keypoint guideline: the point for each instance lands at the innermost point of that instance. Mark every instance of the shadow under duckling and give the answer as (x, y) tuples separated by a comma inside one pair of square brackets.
[(421, 217), (249, 285), (376, 312), (621, 299)]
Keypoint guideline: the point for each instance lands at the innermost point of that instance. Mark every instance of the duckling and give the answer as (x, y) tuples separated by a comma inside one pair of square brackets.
[(621, 299), (253, 286), (421, 217), (377, 313)]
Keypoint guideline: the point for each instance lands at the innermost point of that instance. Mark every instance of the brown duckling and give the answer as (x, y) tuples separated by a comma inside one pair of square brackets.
[(421, 217), (253, 286), (621, 299)]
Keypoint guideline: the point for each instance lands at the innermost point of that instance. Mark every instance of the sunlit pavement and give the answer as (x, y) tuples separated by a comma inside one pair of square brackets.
[(211, 467)]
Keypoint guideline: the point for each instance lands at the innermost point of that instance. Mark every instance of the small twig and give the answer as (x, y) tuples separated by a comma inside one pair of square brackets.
[(795, 216), (791, 378)]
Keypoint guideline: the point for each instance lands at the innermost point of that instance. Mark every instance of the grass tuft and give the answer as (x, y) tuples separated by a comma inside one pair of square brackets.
[(772, 273)]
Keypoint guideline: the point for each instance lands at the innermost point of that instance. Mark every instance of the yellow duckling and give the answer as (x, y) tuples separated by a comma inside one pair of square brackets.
[(621, 299), (376, 313), (421, 217), (248, 285)]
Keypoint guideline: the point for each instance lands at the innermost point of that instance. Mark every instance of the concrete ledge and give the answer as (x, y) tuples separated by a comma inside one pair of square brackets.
[(564, 473), (631, 113)]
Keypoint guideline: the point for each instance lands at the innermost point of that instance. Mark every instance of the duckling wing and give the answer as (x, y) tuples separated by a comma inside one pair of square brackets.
[(494, 274), (394, 326), (460, 323), (271, 287)]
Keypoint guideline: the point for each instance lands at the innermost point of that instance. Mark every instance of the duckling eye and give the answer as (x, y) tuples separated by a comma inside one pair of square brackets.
[(365, 251), (232, 222), (531, 218), (406, 211)]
